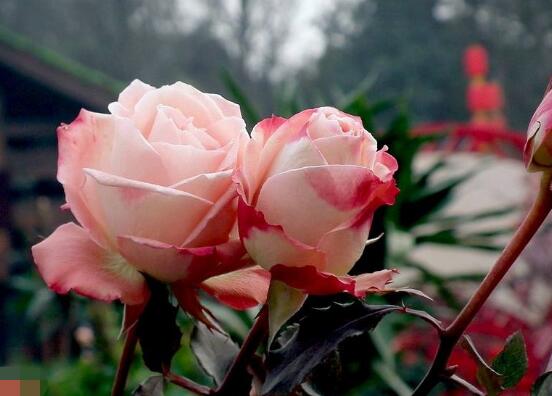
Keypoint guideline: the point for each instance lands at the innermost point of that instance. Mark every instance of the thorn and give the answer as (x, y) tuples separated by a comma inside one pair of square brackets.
[(374, 240), (450, 370)]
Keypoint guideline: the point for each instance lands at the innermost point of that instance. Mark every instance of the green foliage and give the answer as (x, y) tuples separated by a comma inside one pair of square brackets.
[(543, 385), (158, 332), (506, 369), (317, 333), (214, 351), (249, 113), (511, 362), (152, 386), (486, 375)]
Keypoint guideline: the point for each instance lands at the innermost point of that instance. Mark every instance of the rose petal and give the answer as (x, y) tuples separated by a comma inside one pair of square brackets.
[(296, 154), (129, 153), (373, 282), (209, 186), (145, 210), (346, 150), (268, 245), (129, 97), (184, 162), (268, 138), (216, 225), (170, 263), (265, 128), (242, 289), (180, 96), (312, 281), (327, 197), (227, 129), (70, 260), (386, 165), (101, 142), (229, 109), (344, 244), (170, 126)]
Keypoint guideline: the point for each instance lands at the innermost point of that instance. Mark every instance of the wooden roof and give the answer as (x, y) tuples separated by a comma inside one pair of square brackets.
[(84, 85)]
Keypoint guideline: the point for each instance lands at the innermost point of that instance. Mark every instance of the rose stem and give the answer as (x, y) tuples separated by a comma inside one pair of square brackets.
[(123, 368), (450, 336), (187, 384), (256, 335)]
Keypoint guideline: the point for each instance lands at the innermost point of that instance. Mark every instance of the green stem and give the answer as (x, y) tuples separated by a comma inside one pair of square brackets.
[(448, 338)]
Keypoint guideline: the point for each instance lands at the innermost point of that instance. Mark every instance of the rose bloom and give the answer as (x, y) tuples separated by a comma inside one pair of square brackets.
[(309, 186), (538, 149), (151, 187)]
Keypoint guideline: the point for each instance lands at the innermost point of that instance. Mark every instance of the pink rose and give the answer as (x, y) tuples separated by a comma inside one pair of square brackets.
[(308, 188), (151, 186), (538, 149)]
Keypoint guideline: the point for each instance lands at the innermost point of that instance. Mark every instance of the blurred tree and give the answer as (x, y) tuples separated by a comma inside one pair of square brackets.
[(410, 48), (415, 48)]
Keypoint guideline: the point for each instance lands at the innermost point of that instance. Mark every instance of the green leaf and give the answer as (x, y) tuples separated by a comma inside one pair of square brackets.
[(214, 351), (392, 379), (158, 333), (487, 377), (543, 385), (152, 386), (424, 202), (249, 111), (464, 218), (423, 179), (283, 302), (511, 362), (319, 331), (478, 240)]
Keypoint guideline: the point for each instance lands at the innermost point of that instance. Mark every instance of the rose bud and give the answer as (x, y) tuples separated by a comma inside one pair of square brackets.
[(538, 149)]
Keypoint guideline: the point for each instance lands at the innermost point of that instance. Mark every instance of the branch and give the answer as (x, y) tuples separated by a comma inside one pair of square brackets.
[(448, 339), (123, 368), (245, 356), (435, 323), (256, 335), (186, 383), (465, 384)]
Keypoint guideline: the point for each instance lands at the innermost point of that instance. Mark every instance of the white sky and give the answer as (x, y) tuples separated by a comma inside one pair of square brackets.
[(305, 43)]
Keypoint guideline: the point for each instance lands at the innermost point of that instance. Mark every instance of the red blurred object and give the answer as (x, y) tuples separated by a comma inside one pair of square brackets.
[(489, 331), (476, 61), (492, 138), (484, 97)]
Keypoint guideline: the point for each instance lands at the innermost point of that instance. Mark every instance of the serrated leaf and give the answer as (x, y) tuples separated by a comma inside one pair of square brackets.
[(543, 385), (158, 333), (318, 333), (152, 386), (487, 377), (511, 362), (214, 351)]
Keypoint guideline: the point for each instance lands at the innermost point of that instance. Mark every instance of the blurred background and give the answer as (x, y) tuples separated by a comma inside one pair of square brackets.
[(449, 85)]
